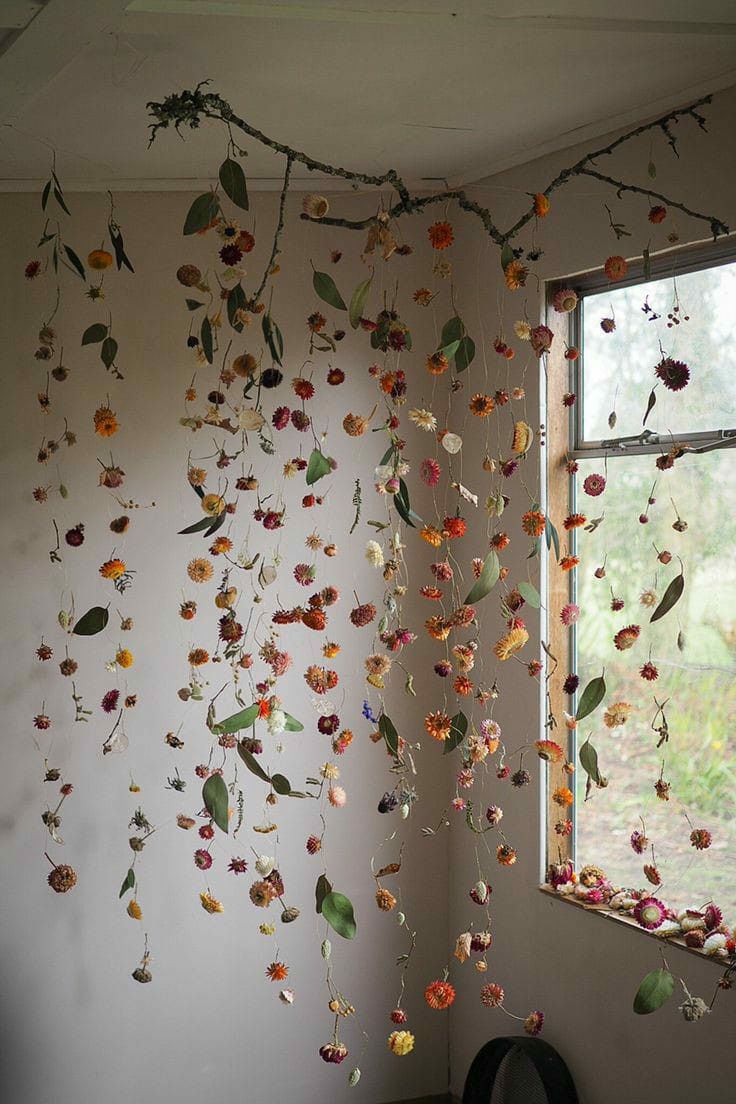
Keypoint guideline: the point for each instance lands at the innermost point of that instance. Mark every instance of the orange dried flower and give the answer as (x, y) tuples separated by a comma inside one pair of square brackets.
[(199, 570), (437, 363), (562, 796), (481, 405), (533, 523), (106, 424), (112, 569), (438, 725), (423, 296), (567, 563), (574, 521), (515, 274), (541, 205), (615, 268), (198, 657), (439, 994), (277, 971), (441, 235)]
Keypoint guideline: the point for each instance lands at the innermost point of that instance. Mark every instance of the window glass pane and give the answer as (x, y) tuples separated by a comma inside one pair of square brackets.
[(619, 366), (699, 680)]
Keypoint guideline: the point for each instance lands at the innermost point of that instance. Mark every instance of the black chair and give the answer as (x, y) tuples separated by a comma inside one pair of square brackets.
[(518, 1069)]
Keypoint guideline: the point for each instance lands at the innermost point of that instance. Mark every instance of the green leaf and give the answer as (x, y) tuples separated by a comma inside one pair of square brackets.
[(244, 719), (233, 183), (77, 264), (552, 537), (458, 729), (45, 194), (338, 912), (453, 330), (670, 597), (194, 304), (197, 527), (117, 243), (357, 302), (205, 338), (215, 797), (322, 888), (94, 334), (486, 581), (317, 467), (273, 337), (108, 351), (465, 354), (235, 302), (654, 991), (507, 256), (59, 197), (591, 697), (450, 349), (589, 761), (252, 763), (201, 213), (281, 784), (388, 731), (92, 622), (529, 593), (128, 883), (292, 724), (650, 405), (652, 170), (326, 288)]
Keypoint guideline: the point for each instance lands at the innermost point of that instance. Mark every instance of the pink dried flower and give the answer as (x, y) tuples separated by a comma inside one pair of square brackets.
[(202, 859), (430, 472), (569, 614)]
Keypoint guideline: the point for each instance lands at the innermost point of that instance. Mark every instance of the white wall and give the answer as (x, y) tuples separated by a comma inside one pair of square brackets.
[(583, 971), (77, 1027)]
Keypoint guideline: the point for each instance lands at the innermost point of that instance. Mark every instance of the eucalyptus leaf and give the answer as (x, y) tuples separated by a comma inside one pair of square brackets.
[(551, 536), (281, 784), (128, 883), (94, 334), (45, 195), (650, 406), (108, 352), (75, 261), (591, 697), (292, 724), (92, 622), (194, 304), (317, 467), (486, 581), (453, 330), (252, 763), (197, 527), (233, 183), (205, 338), (215, 798), (235, 301), (458, 730), (388, 730), (357, 302), (589, 761), (507, 256), (670, 597), (450, 349), (338, 912), (326, 288), (465, 354), (273, 337), (654, 991), (529, 593), (244, 719), (201, 213), (322, 888)]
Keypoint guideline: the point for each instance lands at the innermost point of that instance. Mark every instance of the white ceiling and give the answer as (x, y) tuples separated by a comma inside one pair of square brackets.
[(433, 88)]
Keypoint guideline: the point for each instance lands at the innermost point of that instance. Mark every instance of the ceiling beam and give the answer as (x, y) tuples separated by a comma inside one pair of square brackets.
[(58, 34), (342, 13)]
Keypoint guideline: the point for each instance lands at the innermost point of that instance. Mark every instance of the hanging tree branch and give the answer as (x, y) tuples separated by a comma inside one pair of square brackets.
[(188, 107)]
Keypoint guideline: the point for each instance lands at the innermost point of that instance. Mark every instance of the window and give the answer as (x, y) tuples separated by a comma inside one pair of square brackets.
[(667, 508)]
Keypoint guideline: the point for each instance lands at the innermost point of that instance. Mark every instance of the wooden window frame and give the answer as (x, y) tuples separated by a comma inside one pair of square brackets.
[(565, 441)]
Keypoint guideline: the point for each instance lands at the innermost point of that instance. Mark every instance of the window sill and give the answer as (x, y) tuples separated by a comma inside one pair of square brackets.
[(627, 921)]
